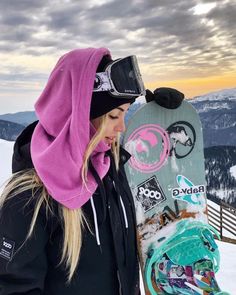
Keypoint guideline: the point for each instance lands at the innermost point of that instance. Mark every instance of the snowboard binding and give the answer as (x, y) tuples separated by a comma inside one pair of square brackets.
[(186, 262)]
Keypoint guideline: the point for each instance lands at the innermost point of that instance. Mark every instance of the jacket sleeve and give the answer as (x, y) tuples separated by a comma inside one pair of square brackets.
[(23, 264)]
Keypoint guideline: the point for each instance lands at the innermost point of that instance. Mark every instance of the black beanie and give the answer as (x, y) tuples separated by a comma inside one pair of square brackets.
[(103, 102)]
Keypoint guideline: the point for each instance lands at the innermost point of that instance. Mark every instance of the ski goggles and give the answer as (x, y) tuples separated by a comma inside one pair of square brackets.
[(121, 78)]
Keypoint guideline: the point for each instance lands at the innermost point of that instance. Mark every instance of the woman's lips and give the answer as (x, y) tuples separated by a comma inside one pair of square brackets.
[(109, 140)]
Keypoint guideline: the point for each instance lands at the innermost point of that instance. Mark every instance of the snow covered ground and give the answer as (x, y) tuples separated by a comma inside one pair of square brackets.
[(227, 271), (6, 149), (233, 171)]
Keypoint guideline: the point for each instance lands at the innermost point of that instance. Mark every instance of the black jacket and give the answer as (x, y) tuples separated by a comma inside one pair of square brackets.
[(32, 267)]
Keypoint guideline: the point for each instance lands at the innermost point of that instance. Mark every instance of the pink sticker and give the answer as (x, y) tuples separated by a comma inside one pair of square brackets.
[(149, 146)]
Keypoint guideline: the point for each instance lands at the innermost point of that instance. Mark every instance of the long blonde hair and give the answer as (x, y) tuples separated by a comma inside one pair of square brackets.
[(73, 219)]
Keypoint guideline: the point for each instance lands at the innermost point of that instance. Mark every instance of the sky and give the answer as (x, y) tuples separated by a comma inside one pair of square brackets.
[(187, 44)]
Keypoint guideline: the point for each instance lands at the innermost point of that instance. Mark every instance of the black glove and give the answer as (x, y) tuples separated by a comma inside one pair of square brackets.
[(169, 98)]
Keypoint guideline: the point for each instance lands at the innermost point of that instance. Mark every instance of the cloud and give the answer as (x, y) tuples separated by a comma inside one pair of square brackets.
[(171, 40)]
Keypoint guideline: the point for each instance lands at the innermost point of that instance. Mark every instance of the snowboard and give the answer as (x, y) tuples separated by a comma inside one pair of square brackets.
[(166, 173)]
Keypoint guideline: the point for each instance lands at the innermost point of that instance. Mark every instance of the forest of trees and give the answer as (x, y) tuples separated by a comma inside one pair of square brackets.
[(218, 161)]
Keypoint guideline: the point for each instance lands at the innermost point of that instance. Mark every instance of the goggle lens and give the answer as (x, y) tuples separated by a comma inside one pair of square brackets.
[(121, 78)]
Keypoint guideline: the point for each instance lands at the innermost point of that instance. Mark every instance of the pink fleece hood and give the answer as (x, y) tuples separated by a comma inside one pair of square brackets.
[(64, 129)]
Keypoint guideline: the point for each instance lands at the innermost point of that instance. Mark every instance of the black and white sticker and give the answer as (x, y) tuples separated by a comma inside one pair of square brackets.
[(6, 248), (150, 194), (180, 192)]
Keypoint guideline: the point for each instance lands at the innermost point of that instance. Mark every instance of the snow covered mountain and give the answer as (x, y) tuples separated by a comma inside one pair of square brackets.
[(9, 130), (11, 125), (22, 118), (217, 111)]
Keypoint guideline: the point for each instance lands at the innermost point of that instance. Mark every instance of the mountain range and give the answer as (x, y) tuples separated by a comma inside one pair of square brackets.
[(217, 111), (22, 118), (10, 130)]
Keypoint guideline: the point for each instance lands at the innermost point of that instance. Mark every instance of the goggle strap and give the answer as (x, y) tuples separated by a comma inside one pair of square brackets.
[(102, 82)]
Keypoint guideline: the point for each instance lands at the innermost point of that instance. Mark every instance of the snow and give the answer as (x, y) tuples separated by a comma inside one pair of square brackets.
[(213, 106), (233, 171), (226, 94), (221, 193), (227, 272), (140, 99), (6, 148)]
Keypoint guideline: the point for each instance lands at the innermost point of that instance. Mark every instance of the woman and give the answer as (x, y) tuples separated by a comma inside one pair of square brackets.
[(67, 223)]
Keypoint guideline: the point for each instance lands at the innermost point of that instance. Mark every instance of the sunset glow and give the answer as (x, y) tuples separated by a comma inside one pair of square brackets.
[(197, 86)]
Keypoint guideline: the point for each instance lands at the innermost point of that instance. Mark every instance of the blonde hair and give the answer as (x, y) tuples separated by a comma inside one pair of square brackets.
[(94, 142), (73, 219)]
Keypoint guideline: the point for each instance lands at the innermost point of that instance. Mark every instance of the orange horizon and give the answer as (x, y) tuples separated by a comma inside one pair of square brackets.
[(197, 86)]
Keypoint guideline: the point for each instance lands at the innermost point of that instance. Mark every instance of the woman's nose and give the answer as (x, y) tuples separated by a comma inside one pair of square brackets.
[(121, 126)]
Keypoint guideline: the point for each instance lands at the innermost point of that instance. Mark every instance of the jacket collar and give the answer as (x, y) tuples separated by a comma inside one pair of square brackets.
[(124, 155)]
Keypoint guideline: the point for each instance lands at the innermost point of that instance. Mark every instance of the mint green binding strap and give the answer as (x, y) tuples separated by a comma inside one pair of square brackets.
[(192, 241)]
